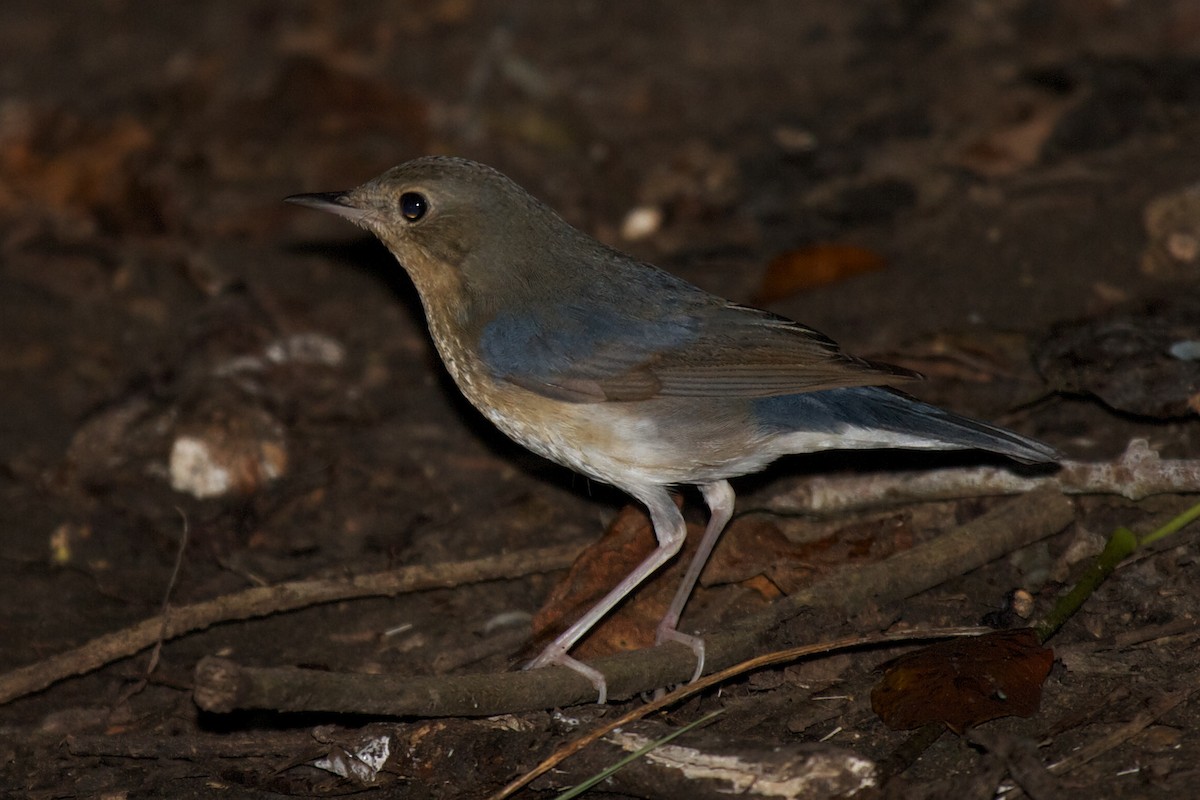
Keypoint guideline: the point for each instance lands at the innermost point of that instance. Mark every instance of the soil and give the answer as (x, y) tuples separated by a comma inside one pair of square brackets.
[(1000, 195)]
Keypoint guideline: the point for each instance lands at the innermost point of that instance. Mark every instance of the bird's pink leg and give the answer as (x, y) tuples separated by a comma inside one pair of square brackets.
[(670, 530), (719, 497)]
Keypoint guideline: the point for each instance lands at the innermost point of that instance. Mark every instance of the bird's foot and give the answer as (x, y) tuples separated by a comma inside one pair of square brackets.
[(550, 657), (667, 633)]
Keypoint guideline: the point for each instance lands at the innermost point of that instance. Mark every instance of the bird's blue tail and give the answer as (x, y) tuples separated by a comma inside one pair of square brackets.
[(897, 419)]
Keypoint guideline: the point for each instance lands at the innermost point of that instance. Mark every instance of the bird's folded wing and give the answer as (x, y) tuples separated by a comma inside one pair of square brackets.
[(705, 348)]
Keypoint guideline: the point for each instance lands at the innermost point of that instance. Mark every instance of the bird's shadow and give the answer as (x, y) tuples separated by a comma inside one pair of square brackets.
[(367, 255)]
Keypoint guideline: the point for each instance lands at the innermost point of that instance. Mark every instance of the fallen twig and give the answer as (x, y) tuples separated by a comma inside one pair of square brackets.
[(152, 663), (267, 600), (1122, 734), (1137, 473)]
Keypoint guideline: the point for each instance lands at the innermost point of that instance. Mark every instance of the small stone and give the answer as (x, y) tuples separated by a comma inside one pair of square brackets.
[(226, 459), (1185, 350), (794, 140), (1173, 227), (641, 222)]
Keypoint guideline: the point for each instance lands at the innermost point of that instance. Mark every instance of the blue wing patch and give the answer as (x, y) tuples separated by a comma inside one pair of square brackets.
[(582, 354)]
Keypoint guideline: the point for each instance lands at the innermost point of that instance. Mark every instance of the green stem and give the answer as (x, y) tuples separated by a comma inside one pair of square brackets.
[(1179, 522), (1120, 545)]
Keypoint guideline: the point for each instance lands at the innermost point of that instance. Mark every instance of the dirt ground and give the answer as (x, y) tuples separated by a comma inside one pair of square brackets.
[(1001, 195)]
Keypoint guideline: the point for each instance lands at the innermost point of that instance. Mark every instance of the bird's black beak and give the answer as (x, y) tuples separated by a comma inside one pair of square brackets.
[(338, 203)]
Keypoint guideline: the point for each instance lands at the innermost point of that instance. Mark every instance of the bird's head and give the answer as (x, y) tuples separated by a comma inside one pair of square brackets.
[(452, 223)]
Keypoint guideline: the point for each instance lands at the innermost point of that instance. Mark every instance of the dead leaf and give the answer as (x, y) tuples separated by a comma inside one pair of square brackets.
[(753, 553), (1133, 358), (801, 563), (752, 547), (812, 266), (964, 682), (969, 356), (61, 164), (764, 586), (626, 542), (1021, 128)]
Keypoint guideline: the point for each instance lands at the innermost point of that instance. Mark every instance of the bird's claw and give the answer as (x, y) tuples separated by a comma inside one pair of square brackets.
[(696, 643), (594, 676)]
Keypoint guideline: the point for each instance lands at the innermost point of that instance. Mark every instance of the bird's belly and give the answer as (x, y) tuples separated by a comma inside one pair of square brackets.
[(657, 442), (630, 444)]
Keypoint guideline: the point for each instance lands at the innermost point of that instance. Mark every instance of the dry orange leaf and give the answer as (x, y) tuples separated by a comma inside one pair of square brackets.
[(64, 163), (626, 542), (753, 553), (1024, 123), (964, 682), (812, 266)]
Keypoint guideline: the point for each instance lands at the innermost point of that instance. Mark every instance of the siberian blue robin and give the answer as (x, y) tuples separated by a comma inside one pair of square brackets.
[(624, 372)]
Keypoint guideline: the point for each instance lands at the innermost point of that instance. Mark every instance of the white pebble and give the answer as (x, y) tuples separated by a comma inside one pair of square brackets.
[(641, 222)]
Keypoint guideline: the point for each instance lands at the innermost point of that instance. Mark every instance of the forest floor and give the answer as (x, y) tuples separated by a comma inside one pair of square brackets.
[(1003, 196)]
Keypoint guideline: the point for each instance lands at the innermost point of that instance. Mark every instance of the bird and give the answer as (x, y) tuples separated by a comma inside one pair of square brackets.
[(624, 372)]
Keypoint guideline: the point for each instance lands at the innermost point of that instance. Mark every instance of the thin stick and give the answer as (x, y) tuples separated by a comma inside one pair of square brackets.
[(1136, 474), (166, 603), (266, 600), (152, 663), (766, 660), (1121, 735)]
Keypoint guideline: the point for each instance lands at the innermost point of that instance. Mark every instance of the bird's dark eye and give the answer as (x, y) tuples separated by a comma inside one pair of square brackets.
[(413, 206)]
